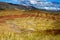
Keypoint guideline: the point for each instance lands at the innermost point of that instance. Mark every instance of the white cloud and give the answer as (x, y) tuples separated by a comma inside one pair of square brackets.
[(33, 1), (15, 0)]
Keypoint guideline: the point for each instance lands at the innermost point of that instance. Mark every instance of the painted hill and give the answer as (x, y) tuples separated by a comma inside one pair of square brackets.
[(29, 25)]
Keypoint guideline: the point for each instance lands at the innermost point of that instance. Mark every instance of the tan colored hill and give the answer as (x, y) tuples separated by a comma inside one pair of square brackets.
[(29, 25)]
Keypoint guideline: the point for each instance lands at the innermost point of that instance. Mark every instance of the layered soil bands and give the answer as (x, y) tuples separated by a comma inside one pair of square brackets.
[(32, 21)]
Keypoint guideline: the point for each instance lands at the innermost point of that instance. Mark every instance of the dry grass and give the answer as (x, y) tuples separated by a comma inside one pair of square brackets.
[(28, 36), (28, 25)]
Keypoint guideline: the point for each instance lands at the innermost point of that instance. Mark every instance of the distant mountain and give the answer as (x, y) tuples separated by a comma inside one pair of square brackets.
[(49, 5), (52, 6), (10, 6)]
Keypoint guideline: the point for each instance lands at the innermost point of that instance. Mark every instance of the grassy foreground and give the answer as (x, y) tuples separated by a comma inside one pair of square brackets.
[(28, 36), (29, 25)]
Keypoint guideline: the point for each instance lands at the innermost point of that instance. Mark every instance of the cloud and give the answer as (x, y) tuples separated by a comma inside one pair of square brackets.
[(33, 1), (15, 0)]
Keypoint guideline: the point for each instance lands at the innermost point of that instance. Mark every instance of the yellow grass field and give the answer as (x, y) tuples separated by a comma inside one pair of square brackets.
[(29, 25)]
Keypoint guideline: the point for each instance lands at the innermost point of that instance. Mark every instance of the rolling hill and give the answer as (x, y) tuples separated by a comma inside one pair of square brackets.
[(4, 5), (28, 25)]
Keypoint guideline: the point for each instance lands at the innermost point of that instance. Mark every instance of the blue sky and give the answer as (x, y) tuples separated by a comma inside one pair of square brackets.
[(10, 1), (18, 1)]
